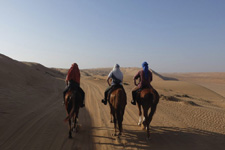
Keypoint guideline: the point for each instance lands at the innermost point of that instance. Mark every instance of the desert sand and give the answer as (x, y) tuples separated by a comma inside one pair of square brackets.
[(190, 113)]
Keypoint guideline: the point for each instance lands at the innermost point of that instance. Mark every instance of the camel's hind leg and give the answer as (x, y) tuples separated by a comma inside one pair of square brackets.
[(74, 123), (70, 130), (154, 105), (75, 127), (140, 114), (115, 122), (146, 121), (120, 120), (111, 115), (153, 109)]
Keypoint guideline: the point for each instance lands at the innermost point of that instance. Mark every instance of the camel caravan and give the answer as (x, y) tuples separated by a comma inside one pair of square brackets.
[(143, 94)]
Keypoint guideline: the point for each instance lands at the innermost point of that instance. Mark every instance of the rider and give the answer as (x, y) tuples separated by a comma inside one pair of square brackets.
[(73, 81), (145, 77), (117, 78)]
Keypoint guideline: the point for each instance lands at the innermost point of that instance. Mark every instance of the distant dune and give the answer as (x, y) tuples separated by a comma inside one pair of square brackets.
[(190, 115), (103, 72), (214, 81)]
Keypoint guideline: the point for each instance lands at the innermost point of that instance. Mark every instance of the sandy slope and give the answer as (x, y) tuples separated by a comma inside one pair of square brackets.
[(211, 80), (189, 116)]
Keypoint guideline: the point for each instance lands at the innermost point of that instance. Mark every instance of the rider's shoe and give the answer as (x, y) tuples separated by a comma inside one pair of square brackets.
[(104, 101)]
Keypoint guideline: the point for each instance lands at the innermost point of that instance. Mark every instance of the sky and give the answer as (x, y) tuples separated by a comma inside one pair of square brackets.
[(171, 35)]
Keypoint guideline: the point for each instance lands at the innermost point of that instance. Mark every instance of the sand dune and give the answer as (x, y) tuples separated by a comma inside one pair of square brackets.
[(214, 81), (189, 116)]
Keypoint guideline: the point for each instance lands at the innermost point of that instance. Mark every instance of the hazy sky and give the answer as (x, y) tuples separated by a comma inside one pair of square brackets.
[(171, 35)]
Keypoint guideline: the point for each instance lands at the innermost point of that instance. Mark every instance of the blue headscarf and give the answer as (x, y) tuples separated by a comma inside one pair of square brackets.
[(145, 68)]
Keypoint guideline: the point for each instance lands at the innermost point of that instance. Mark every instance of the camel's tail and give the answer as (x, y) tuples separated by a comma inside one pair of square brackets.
[(72, 111), (121, 105), (154, 105), (69, 115)]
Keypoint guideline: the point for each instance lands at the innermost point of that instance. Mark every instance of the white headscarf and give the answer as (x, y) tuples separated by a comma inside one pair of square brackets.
[(116, 72), (116, 67)]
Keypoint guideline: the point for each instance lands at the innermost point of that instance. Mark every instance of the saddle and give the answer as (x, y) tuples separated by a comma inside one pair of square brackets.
[(73, 87)]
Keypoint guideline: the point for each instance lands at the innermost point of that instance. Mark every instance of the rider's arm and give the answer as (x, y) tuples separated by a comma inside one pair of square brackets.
[(136, 77), (109, 77), (66, 81), (108, 81), (135, 82)]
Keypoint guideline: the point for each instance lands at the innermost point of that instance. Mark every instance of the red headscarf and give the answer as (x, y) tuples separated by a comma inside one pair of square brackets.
[(73, 73)]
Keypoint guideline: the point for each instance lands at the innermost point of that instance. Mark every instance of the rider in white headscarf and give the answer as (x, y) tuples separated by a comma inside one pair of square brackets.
[(117, 78), (115, 74)]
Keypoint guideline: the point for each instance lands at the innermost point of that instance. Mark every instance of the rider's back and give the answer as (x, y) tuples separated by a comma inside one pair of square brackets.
[(74, 74), (144, 82)]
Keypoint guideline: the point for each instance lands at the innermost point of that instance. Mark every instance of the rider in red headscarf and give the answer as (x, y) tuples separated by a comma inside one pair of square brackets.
[(73, 74), (73, 81)]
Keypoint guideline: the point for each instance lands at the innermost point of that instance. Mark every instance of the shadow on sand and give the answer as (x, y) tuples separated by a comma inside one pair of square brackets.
[(168, 138), (82, 139)]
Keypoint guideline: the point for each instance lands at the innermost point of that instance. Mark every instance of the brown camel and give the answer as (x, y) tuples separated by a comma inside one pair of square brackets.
[(117, 102)]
